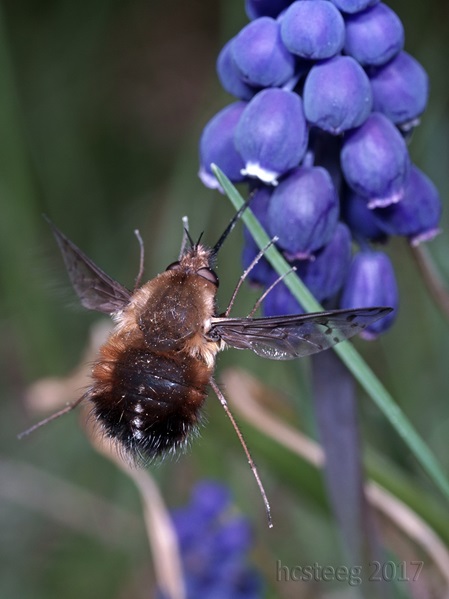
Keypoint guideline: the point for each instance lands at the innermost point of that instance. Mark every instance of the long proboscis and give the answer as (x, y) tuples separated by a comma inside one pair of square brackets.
[(231, 225)]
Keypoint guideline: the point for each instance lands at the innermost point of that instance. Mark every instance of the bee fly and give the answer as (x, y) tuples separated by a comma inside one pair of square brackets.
[(152, 376)]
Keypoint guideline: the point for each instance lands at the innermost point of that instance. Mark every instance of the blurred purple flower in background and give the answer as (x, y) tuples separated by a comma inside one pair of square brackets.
[(327, 98), (214, 542)]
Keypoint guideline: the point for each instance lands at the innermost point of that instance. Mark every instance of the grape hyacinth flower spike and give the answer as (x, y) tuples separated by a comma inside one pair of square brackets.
[(327, 95)]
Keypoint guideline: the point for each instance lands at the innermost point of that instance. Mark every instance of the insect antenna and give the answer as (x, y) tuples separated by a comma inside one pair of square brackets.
[(189, 237), (251, 463), (186, 238), (142, 259), (52, 417), (199, 239), (246, 273)]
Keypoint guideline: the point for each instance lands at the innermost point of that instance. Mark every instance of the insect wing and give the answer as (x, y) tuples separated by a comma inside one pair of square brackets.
[(96, 290), (294, 336)]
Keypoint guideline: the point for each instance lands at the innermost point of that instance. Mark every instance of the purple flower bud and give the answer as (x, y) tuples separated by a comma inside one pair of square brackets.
[(352, 6), (360, 219), (418, 213), (375, 161), (303, 211), (313, 30), (217, 146), (371, 282), (337, 94), (374, 36), (271, 135), (265, 8), (260, 56), (230, 77), (400, 89), (325, 273)]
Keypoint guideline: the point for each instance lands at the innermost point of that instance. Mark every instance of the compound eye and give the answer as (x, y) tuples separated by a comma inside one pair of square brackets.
[(173, 266), (209, 275)]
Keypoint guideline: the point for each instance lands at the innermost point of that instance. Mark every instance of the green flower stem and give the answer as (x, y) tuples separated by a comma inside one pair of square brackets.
[(348, 354)]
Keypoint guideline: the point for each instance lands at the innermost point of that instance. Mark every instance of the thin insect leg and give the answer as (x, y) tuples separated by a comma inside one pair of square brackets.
[(57, 414), (251, 463), (185, 235), (246, 273), (267, 291), (142, 259)]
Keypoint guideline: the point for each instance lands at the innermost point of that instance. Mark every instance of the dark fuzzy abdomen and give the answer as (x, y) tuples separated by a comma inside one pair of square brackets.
[(150, 401)]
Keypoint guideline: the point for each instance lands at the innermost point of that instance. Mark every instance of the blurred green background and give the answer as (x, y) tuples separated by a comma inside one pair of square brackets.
[(101, 107)]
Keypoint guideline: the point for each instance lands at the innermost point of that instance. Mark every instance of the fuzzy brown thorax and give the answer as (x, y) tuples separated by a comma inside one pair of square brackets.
[(173, 311)]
